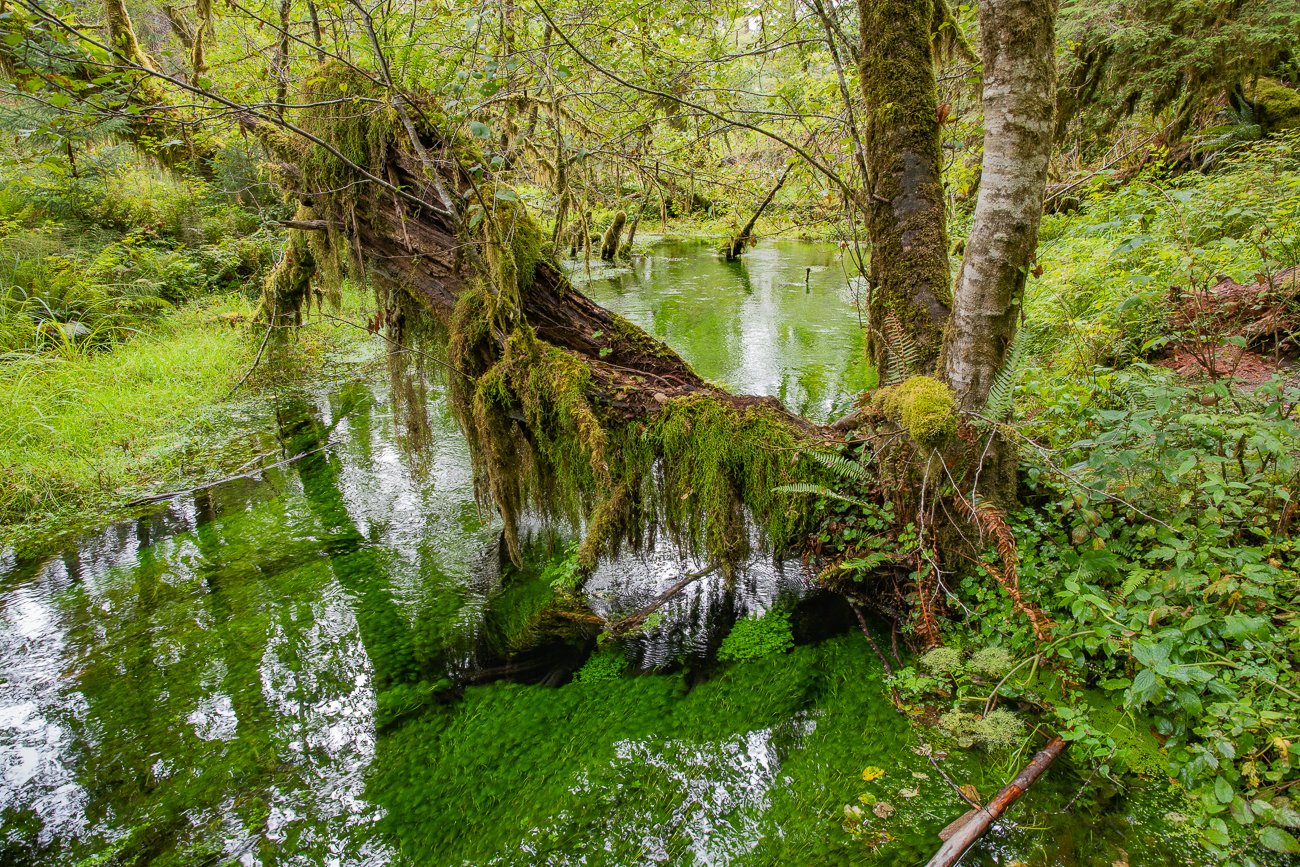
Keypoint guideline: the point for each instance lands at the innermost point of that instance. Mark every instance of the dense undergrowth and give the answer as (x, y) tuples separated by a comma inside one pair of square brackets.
[(1157, 526), (124, 298)]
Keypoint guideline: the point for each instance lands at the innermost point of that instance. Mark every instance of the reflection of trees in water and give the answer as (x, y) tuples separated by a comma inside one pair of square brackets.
[(750, 324)]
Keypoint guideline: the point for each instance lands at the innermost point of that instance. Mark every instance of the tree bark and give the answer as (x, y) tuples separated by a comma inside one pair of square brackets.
[(909, 272), (282, 58), (1019, 39), (951, 851)]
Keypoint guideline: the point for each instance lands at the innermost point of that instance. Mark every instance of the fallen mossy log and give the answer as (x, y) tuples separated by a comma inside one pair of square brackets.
[(570, 410)]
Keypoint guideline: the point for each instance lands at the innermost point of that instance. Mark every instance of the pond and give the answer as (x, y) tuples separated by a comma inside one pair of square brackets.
[(327, 663)]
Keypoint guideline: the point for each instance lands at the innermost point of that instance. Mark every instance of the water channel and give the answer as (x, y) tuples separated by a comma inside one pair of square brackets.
[(327, 664)]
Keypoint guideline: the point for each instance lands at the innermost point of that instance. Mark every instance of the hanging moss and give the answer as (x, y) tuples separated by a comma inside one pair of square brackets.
[(288, 285), (537, 439), (540, 437)]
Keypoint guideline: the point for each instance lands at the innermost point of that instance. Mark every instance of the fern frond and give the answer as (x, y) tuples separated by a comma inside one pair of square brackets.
[(990, 521), (927, 604), (904, 355), (818, 490), (1004, 384), (841, 466)]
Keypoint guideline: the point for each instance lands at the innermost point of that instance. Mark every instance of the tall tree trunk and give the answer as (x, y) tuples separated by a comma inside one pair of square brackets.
[(122, 34), (909, 272), (1019, 39), (315, 31)]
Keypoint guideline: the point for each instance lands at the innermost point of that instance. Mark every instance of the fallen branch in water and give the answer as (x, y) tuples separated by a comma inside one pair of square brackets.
[(633, 620), (155, 498), (976, 822)]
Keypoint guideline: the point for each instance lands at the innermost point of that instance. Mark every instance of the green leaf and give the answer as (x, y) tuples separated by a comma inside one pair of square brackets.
[(1242, 626), (1222, 790), (480, 129), (506, 194), (1277, 840), (1286, 816), (1190, 701)]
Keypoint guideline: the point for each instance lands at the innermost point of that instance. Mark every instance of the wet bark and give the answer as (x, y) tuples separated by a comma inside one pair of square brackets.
[(966, 835), (909, 272)]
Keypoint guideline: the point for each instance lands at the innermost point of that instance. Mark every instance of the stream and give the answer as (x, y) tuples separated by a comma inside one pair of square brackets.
[(327, 664)]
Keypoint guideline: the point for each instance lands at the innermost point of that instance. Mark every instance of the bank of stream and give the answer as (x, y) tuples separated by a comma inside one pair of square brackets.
[(332, 662)]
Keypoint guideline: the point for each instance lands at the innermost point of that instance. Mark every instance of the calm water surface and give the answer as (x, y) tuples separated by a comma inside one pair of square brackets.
[(328, 665)]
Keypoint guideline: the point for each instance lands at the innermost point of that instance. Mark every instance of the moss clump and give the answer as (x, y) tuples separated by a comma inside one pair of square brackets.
[(1278, 105), (1139, 751), (993, 661), (923, 406), (998, 730)]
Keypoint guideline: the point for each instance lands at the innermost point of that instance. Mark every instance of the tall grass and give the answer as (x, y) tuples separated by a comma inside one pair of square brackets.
[(79, 427)]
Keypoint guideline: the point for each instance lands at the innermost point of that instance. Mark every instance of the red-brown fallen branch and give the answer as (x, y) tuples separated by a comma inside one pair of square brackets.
[(977, 824)]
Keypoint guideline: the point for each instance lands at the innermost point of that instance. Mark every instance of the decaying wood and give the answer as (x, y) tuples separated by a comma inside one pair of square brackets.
[(736, 245), (968, 831)]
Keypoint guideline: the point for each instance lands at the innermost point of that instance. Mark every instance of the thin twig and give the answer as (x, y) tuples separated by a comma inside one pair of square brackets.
[(154, 498), (270, 324)]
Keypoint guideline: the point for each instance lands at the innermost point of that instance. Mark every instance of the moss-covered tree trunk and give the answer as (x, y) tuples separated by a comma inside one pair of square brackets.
[(1019, 39), (154, 123), (909, 272), (569, 409)]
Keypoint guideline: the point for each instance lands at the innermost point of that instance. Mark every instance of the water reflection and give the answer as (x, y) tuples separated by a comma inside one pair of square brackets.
[(295, 668), (777, 322)]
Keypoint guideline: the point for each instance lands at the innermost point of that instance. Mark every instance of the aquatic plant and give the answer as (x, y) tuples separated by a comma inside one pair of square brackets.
[(754, 637)]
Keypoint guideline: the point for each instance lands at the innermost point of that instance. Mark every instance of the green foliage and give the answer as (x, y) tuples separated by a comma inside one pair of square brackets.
[(110, 250), (755, 637), (1162, 541), (1107, 272), (607, 664), (1163, 55)]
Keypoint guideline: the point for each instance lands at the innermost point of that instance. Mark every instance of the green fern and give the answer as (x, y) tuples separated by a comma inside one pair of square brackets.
[(818, 490), (901, 350), (842, 466), (1004, 384)]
